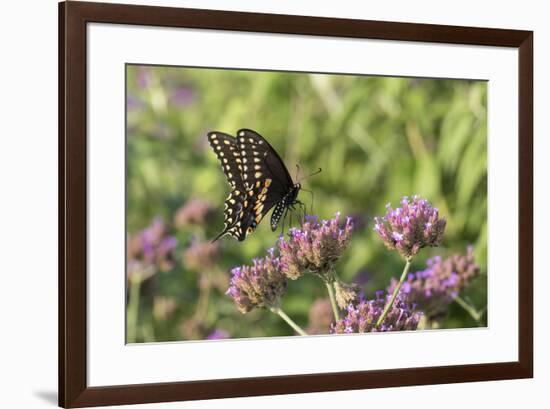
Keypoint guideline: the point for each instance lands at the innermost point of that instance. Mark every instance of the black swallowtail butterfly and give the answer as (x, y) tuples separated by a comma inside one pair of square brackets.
[(258, 178)]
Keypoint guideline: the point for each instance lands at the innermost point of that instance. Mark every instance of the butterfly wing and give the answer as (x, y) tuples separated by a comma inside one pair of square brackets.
[(264, 174), (225, 148), (261, 160)]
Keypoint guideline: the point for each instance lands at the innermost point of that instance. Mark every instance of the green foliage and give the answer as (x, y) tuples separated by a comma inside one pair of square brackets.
[(376, 139)]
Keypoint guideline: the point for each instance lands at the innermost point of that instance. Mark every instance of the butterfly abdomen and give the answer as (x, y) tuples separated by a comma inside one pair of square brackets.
[(288, 200)]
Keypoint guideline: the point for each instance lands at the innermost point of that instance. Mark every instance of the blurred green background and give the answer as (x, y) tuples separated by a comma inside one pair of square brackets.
[(376, 139)]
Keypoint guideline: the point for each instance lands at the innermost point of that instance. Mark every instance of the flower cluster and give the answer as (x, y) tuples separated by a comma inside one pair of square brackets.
[(182, 96), (362, 316), (409, 228), (345, 293), (434, 288), (258, 286), (150, 250), (314, 247)]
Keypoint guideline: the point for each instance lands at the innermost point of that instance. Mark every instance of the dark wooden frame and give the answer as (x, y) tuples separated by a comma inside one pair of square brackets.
[(73, 388)]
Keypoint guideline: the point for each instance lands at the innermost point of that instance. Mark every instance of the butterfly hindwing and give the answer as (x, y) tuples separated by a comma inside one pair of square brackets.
[(256, 205)]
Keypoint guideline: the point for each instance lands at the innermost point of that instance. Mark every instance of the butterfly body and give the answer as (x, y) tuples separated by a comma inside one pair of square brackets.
[(258, 179)]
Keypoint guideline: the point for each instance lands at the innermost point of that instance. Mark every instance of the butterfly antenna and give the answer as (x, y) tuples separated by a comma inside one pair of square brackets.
[(312, 174)]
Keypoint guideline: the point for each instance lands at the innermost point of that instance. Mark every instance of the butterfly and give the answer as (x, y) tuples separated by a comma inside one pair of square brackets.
[(259, 181)]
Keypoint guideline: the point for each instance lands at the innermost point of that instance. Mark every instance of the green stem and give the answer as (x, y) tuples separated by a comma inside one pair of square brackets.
[(133, 308), (332, 300), (395, 291), (288, 320), (469, 309)]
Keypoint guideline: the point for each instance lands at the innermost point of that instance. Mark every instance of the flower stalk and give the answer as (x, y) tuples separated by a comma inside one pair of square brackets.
[(395, 291), (288, 320), (332, 300), (475, 314), (133, 307)]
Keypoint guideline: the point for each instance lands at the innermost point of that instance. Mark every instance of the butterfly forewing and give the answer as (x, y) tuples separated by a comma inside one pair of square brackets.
[(225, 148), (260, 161)]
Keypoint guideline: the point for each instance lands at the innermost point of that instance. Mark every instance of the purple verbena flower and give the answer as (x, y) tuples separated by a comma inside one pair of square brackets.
[(433, 289), (345, 293), (314, 247), (218, 334), (182, 96), (150, 250), (144, 77), (362, 317), (409, 228), (133, 103), (258, 286)]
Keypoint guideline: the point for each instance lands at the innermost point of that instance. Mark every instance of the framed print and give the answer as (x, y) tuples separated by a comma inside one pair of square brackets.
[(256, 204)]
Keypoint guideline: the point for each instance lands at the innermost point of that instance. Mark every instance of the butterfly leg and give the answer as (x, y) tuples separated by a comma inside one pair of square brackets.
[(302, 214), (303, 209), (291, 216), (284, 219)]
